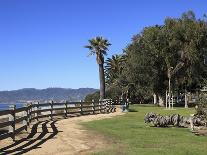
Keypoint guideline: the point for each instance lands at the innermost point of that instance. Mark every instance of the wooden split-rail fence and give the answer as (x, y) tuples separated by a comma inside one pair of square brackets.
[(16, 120)]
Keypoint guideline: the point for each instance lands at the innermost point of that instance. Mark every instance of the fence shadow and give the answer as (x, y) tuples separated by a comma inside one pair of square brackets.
[(33, 140), (3, 131)]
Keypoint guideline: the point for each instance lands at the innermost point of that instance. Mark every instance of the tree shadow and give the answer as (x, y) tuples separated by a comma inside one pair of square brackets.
[(30, 143), (132, 110)]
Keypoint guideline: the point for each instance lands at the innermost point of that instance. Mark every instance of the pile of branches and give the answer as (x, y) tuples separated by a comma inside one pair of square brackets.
[(158, 120)]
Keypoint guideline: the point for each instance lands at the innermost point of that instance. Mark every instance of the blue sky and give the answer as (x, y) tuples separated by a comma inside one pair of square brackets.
[(41, 41)]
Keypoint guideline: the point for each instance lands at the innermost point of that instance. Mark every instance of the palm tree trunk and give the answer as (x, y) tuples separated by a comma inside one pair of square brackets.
[(102, 81)]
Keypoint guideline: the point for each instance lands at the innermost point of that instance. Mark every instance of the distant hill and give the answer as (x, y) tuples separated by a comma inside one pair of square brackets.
[(57, 94)]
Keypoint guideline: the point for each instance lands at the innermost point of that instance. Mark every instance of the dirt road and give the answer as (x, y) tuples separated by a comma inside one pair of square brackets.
[(61, 137)]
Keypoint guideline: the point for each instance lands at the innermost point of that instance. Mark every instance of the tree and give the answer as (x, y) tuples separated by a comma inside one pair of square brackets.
[(138, 70), (171, 52), (113, 69), (187, 36), (116, 83), (94, 96), (99, 46)]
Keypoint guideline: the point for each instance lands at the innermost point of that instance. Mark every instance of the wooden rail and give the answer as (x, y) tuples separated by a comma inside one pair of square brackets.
[(22, 117)]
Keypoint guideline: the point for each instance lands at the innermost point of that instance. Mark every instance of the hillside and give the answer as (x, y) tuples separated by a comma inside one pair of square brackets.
[(56, 94)]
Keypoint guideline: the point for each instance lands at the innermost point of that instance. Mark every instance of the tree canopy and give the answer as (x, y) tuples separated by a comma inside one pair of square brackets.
[(175, 50)]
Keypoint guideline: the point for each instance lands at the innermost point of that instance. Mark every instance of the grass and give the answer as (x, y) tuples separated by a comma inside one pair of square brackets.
[(131, 136)]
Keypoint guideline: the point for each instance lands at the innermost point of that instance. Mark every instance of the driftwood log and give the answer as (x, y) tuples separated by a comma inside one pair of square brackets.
[(158, 120)]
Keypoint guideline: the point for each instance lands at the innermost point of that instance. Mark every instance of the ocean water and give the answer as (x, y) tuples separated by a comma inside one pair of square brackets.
[(5, 106)]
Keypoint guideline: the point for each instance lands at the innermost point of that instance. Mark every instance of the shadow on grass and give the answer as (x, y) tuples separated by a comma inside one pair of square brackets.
[(132, 110), (146, 105), (30, 143), (169, 126)]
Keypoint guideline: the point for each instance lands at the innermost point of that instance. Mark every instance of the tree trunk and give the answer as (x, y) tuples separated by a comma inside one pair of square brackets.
[(172, 101), (169, 91), (102, 81), (186, 100), (155, 98), (161, 101), (166, 99)]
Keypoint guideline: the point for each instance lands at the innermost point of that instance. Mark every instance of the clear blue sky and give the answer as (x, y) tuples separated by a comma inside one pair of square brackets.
[(41, 41)]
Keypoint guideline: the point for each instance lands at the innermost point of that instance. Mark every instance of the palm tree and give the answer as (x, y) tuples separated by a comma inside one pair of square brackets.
[(99, 46), (113, 68), (114, 74)]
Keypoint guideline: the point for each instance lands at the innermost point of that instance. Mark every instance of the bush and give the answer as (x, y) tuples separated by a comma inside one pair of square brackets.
[(112, 93), (95, 96), (201, 108)]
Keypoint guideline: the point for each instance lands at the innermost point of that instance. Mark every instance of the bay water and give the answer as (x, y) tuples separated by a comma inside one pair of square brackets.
[(5, 106)]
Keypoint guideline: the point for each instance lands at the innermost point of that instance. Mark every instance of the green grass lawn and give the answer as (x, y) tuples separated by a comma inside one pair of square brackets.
[(131, 136)]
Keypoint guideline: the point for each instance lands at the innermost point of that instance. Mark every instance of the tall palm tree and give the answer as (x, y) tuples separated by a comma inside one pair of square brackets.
[(99, 46)]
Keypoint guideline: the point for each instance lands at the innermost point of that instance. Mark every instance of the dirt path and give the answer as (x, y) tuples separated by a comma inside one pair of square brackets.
[(62, 137)]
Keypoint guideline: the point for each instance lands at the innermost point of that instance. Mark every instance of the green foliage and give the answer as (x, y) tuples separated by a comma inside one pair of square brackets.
[(201, 108), (187, 37), (175, 50), (95, 96), (98, 46), (113, 69), (116, 85), (111, 93)]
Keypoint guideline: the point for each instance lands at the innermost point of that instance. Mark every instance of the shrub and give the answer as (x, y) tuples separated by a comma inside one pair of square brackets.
[(201, 108)]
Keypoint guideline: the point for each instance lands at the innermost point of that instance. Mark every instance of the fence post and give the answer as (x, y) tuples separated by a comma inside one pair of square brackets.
[(114, 106), (104, 106), (66, 109), (30, 110), (99, 105), (28, 114), (111, 104), (25, 115), (81, 107), (51, 111), (12, 120), (36, 110), (93, 108)]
